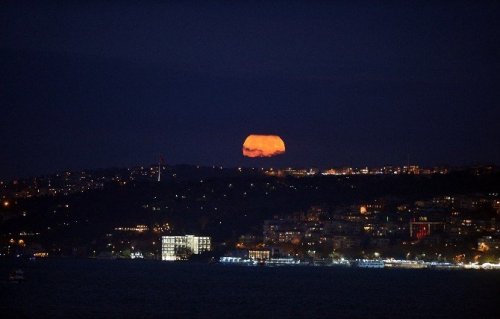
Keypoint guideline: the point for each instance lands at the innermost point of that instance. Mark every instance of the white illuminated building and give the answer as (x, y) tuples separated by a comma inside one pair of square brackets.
[(180, 247)]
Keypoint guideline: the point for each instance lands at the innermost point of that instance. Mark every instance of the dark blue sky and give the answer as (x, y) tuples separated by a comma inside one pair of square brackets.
[(93, 84)]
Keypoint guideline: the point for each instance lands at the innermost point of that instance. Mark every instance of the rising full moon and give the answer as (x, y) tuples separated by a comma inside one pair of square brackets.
[(263, 146)]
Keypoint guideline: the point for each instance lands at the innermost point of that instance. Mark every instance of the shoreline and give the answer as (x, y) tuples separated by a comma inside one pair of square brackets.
[(390, 264)]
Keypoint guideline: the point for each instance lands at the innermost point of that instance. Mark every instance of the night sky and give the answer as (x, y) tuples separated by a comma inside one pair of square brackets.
[(91, 84)]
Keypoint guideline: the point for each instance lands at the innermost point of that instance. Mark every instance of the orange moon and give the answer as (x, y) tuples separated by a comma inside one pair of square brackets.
[(263, 146)]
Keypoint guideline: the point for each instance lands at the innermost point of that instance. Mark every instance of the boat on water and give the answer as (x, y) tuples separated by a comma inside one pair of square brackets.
[(340, 263), (259, 262), (369, 263), (282, 262), (225, 260), (405, 264)]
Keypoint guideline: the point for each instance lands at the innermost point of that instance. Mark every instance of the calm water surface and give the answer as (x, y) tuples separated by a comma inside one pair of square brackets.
[(146, 289)]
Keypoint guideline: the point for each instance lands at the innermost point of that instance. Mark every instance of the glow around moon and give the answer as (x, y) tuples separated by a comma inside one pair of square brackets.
[(263, 146)]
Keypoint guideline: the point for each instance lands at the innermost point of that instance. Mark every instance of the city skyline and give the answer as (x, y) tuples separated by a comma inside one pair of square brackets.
[(279, 171), (113, 85), (213, 159)]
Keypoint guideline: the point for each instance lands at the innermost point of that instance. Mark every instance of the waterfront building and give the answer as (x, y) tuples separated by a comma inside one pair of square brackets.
[(261, 254), (181, 247)]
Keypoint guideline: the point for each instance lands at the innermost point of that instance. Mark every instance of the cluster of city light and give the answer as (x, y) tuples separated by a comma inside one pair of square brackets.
[(264, 259), (346, 171), (23, 233), (254, 262), (478, 266), (138, 228)]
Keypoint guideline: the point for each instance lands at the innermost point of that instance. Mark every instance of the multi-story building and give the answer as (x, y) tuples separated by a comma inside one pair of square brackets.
[(181, 247), (343, 242), (281, 231), (260, 254), (423, 227)]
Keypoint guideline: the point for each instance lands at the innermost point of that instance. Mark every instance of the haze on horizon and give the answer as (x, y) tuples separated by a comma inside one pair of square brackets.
[(90, 84)]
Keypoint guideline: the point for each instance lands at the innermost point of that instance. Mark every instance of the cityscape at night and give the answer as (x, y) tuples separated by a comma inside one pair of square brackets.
[(281, 159), (443, 215)]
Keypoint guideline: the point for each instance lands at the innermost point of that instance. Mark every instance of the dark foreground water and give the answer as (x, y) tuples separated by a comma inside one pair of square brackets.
[(142, 289)]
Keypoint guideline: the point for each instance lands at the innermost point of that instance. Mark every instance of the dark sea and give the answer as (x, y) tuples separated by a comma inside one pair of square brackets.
[(152, 289)]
